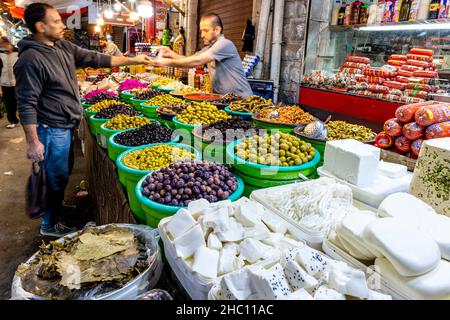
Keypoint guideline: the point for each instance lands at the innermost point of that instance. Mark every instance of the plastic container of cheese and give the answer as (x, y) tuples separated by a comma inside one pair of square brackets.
[(195, 285), (375, 280), (375, 194), (313, 238)]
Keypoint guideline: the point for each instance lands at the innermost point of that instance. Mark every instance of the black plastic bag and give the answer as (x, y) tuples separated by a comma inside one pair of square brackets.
[(37, 192)]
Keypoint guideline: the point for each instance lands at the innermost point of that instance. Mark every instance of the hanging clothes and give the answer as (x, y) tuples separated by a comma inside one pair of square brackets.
[(248, 37)]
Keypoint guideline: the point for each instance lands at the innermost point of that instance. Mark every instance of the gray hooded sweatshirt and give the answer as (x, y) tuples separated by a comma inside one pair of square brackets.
[(46, 81)]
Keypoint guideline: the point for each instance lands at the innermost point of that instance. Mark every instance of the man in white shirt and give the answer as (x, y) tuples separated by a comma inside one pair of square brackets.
[(220, 54), (9, 56)]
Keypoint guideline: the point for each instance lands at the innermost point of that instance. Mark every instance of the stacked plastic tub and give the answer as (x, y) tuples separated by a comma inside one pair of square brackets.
[(257, 176), (130, 177)]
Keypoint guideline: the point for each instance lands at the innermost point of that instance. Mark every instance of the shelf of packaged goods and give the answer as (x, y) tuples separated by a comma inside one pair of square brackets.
[(411, 25), (364, 108)]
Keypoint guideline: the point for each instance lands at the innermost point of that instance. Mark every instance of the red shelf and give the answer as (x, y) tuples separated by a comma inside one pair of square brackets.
[(363, 108)]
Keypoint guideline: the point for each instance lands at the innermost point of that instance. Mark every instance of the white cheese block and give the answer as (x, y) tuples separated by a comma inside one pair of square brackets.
[(392, 170), (274, 223), (286, 242), (434, 285), (431, 175), (410, 251), (325, 293), (301, 294), (251, 250), (206, 262), (355, 251), (273, 239), (354, 162), (221, 204), (311, 260), (270, 284), (297, 277), (237, 285), (181, 222), (258, 232), (232, 247), (348, 281), (249, 213), (438, 228), (234, 233), (198, 207), (227, 260), (404, 205), (214, 242), (217, 219), (189, 242)]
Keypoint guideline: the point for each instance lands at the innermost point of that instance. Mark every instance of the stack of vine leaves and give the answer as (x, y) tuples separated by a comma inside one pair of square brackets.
[(95, 262)]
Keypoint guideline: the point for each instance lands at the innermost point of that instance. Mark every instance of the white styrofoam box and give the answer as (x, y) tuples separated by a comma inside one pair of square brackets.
[(375, 280), (375, 194), (314, 239), (196, 286)]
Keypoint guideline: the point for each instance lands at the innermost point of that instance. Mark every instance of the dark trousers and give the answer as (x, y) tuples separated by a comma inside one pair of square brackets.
[(9, 97)]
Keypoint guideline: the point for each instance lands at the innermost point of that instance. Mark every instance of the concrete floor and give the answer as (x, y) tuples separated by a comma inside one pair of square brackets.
[(19, 235)]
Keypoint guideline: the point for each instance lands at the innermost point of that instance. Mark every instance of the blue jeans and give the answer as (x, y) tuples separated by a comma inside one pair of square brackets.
[(58, 164)]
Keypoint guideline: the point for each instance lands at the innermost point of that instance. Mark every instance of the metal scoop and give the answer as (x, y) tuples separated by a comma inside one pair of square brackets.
[(317, 129)]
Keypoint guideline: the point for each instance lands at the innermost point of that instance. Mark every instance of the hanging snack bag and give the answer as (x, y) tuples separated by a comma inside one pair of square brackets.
[(403, 144), (393, 127), (438, 130), (429, 115), (413, 131)]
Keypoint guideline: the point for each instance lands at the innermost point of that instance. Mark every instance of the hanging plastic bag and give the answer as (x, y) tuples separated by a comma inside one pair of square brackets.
[(36, 192)]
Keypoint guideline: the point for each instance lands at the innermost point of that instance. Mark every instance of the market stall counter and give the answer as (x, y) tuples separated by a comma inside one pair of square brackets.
[(111, 203)]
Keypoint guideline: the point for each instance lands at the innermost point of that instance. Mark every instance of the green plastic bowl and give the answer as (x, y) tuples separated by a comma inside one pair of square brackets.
[(104, 133), (126, 96), (185, 126), (270, 172), (137, 104), (95, 125), (89, 113), (155, 212), (271, 126), (244, 115), (149, 111), (85, 105), (165, 90), (212, 151), (115, 149), (318, 144), (167, 123), (129, 177)]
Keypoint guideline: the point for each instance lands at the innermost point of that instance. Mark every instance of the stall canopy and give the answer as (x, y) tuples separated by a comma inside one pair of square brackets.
[(61, 5)]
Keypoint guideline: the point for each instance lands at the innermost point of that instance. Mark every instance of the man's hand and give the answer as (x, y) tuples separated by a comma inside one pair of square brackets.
[(35, 151), (160, 62), (166, 52), (141, 59)]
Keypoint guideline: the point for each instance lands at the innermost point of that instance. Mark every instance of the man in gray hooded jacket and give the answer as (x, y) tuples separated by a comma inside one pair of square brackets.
[(49, 102)]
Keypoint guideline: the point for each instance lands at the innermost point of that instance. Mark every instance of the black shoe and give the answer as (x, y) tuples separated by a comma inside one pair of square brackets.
[(59, 230)]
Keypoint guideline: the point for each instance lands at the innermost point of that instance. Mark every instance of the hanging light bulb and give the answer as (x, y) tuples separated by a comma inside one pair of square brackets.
[(134, 15), (100, 22), (109, 14), (145, 9), (117, 6), (98, 28)]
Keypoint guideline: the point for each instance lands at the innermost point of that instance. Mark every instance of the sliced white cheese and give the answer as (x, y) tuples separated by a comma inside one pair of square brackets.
[(214, 242), (249, 213), (286, 242), (237, 285), (270, 284), (301, 294), (232, 247), (325, 293), (227, 259), (297, 277), (252, 250), (438, 228), (206, 262), (434, 285), (218, 219), (189, 242), (273, 239), (289, 254), (354, 251), (311, 260), (274, 223), (181, 222), (198, 207), (234, 233), (404, 205), (348, 281), (410, 251), (392, 170)]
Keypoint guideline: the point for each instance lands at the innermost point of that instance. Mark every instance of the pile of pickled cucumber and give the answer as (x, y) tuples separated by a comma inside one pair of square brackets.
[(339, 130), (253, 104), (275, 150)]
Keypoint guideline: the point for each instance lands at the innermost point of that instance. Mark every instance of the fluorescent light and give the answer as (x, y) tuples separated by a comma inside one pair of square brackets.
[(117, 6), (97, 28), (100, 22), (134, 15), (109, 14), (405, 27), (145, 9)]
